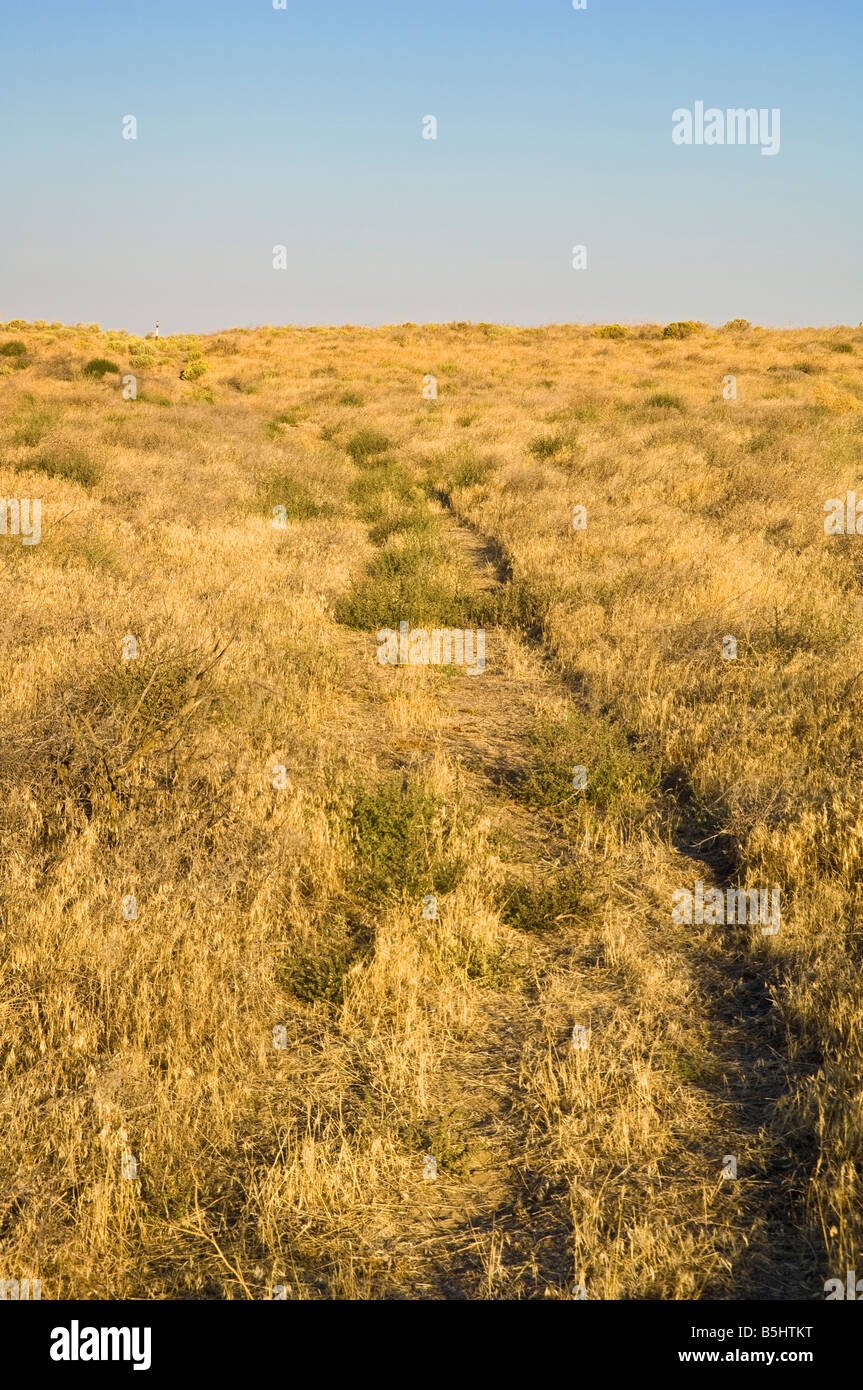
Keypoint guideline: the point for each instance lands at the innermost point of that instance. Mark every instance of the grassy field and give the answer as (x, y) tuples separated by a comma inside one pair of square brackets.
[(280, 924)]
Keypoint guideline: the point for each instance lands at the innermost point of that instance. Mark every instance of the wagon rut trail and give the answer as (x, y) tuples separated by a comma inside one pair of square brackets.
[(593, 1171)]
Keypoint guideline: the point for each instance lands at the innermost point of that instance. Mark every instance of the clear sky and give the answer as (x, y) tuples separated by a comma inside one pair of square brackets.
[(303, 127)]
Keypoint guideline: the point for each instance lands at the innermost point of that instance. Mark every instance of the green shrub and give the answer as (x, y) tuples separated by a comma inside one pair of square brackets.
[(193, 370), (286, 417), (841, 347), (73, 464), (471, 470), (401, 843), (683, 329), (34, 422), (666, 401), (620, 779), (13, 348), (522, 604), (396, 519), (283, 490), (610, 330), (374, 485), (99, 367), (545, 903), (548, 445), (445, 1138), (736, 325), (410, 582), (315, 971), (366, 443), (350, 398), (388, 500)]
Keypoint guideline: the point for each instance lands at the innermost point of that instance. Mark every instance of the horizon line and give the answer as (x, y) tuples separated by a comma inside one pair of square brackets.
[(696, 325)]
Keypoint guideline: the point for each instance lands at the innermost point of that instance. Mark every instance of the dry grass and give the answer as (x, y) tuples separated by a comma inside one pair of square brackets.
[(280, 806)]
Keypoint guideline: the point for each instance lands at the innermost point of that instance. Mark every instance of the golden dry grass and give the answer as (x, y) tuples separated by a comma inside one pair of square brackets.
[(279, 805)]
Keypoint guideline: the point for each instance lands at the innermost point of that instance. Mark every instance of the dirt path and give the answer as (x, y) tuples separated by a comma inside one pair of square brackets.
[(598, 1167)]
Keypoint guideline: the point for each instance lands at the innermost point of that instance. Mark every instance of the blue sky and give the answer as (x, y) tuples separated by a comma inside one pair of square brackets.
[(303, 127)]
